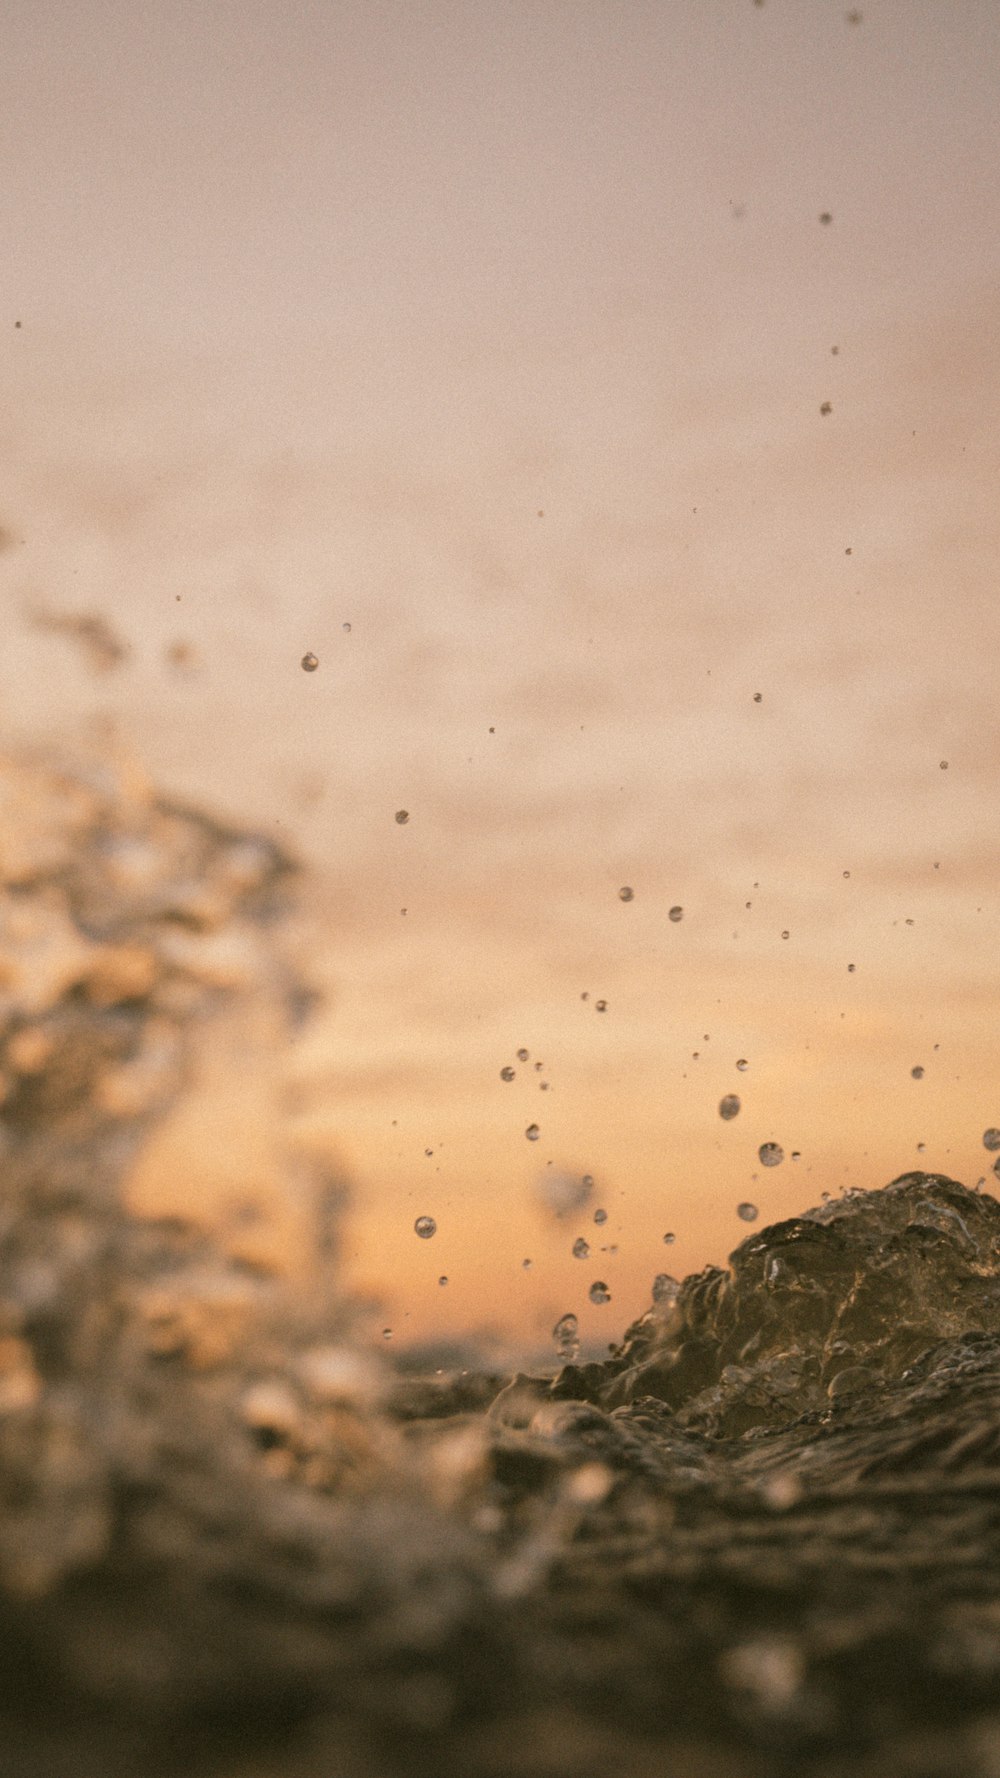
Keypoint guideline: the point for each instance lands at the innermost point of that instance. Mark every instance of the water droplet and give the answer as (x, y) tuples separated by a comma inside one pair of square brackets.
[(625, 893), (917, 1073), (402, 817), (921, 1147), (532, 1132), (538, 1066), (600, 1006), (507, 1074), (580, 1248), (770, 1154), (387, 1333), (600, 1216), (566, 1334), (665, 1288), (668, 1240), (346, 628), (729, 1107), (796, 1154), (309, 663), (742, 1064), (786, 934), (991, 1139), (747, 1212), (443, 1278), (522, 1055), (599, 1292), (526, 1265), (850, 969), (758, 697), (588, 1181), (676, 914), (425, 1227), (944, 765), (543, 1086)]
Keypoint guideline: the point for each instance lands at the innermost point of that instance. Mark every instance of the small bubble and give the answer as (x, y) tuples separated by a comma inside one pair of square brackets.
[(581, 1249), (944, 765), (402, 817), (538, 1066), (770, 1154), (676, 914), (599, 1292), (588, 1182), (600, 1216), (346, 628), (668, 1240), (387, 1333), (625, 893), (786, 934), (566, 1336), (917, 1073), (729, 1106), (532, 1132), (847, 873), (443, 1278), (758, 697), (796, 1154), (522, 1055), (600, 1006), (921, 1147), (425, 1227), (991, 1139), (747, 1212), (309, 663), (507, 1073), (743, 1064), (850, 968)]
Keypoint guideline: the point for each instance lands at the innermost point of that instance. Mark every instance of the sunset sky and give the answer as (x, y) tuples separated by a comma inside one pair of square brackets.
[(601, 364)]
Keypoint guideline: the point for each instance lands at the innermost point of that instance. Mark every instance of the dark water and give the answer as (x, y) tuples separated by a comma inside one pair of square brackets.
[(762, 1538)]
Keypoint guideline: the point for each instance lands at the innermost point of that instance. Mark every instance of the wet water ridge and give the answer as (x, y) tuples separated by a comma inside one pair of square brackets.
[(762, 1538)]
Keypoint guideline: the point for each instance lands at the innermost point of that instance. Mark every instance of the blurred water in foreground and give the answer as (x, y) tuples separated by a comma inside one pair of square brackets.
[(237, 1538)]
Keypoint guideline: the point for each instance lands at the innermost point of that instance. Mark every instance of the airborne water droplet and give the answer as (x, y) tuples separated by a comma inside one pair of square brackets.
[(532, 1132), (443, 1278), (309, 663), (729, 1106), (917, 1073), (522, 1055), (425, 1227), (566, 1336), (991, 1139), (770, 1154), (599, 1292), (742, 1064), (581, 1249), (506, 1073), (625, 893), (402, 817), (747, 1212), (600, 1006), (668, 1240), (600, 1216), (675, 914)]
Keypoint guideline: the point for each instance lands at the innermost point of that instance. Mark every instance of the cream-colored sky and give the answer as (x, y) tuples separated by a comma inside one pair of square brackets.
[(322, 306)]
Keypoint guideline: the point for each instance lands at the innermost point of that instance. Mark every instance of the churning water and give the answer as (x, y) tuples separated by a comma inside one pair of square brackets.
[(760, 1538)]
